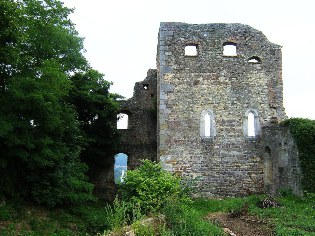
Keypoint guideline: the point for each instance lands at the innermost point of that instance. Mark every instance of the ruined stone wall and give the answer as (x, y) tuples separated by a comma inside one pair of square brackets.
[(281, 160), (139, 140), (227, 88)]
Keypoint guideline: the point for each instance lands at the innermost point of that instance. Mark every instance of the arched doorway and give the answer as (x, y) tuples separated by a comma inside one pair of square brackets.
[(120, 167)]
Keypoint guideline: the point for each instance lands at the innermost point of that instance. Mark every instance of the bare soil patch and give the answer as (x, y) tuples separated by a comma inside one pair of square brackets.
[(244, 225)]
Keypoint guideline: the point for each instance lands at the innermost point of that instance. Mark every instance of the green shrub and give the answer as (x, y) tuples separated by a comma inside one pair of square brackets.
[(117, 214), (141, 229), (149, 186), (5, 212), (184, 219)]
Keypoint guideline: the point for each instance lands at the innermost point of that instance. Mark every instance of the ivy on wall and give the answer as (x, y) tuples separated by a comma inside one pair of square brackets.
[(303, 131)]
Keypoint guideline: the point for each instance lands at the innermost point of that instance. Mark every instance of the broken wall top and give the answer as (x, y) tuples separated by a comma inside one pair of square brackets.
[(209, 39)]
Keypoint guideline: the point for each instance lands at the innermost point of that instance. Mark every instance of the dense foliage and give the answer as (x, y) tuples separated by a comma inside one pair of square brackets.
[(41, 138), (303, 131), (97, 109), (150, 186)]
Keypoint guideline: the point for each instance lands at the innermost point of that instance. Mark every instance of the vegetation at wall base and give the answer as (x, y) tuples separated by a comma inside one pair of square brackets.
[(303, 131), (294, 217), (149, 186), (176, 214)]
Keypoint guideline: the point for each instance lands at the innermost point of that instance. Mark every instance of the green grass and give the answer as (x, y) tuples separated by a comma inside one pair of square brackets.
[(186, 219), (296, 216), (30, 220)]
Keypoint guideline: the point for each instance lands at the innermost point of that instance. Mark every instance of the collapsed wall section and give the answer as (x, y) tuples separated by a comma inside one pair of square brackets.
[(139, 139), (205, 97)]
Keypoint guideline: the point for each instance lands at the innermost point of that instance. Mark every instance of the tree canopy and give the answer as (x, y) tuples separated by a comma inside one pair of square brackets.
[(42, 128)]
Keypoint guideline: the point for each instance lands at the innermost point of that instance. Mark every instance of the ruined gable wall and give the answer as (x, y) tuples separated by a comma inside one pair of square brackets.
[(230, 162)]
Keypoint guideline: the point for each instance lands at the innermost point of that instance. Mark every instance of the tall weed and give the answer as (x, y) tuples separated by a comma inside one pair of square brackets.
[(183, 219)]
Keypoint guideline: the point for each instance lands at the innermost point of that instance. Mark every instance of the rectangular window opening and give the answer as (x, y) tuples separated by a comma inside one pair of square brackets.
[(229, 49), (191, 50)]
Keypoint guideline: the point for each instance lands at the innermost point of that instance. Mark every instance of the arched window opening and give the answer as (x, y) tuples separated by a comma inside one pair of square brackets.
[(207, 125), (122, 121), (120, 167), (254, 60), (251, 125), (191, 50), (229, 49)]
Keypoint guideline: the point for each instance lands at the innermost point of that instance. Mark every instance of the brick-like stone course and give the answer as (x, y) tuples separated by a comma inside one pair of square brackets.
[(230, 164), (168, 108)]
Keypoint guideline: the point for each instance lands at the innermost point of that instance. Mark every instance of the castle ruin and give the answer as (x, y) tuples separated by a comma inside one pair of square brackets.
[(211, 111)]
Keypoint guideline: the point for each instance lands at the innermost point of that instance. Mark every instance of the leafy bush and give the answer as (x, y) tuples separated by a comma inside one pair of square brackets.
[(149, 186), (184, 219), (119, 214), (141, 229), (303, 131)]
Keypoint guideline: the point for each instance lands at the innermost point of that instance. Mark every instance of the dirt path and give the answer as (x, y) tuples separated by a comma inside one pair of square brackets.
[(240, 225)]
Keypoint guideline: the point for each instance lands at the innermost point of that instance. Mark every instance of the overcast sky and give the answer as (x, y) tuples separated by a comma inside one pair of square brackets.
[(121, 37)]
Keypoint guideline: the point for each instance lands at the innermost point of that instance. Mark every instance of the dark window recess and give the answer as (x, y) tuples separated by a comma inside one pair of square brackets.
[(145, 86)]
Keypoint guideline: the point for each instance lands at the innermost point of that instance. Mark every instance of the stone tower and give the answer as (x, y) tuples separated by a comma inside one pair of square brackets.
[(218, 86)]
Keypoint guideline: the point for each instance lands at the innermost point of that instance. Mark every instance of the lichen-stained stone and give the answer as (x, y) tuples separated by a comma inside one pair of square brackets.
[(212, 113), (229, 162)]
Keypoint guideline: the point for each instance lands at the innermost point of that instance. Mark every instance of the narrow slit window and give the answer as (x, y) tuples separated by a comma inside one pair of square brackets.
[(251, 125), (122, 121), (229, 49), (207, 126), (191, 50)]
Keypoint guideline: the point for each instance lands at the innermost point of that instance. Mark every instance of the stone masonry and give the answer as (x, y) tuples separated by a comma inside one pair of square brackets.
[(212, 115), (139, 140), (222, 157)]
